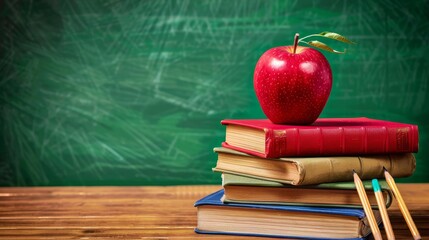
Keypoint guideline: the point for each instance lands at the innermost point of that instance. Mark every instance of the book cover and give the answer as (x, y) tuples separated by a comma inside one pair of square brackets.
[(314, 170), (241, 189), (215, 217), (327, 136)]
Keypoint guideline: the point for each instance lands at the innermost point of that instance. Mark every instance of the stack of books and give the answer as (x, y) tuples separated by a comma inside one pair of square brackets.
[(297, 181)]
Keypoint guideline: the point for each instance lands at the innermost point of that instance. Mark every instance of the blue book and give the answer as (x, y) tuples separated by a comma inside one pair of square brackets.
[(292, 221)]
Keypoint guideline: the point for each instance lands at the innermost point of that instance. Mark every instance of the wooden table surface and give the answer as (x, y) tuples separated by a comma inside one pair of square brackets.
[(139, 212)]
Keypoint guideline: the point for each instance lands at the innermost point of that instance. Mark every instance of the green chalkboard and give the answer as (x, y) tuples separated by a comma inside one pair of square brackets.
[(132, 92)]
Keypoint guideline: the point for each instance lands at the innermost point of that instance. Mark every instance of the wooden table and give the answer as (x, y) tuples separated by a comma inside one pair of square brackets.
[(138, 212)]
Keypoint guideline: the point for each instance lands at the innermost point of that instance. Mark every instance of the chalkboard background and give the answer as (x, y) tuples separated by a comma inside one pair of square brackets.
[(132, 92)]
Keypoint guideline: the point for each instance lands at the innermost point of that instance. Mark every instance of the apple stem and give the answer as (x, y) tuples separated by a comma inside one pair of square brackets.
[(295, 42)]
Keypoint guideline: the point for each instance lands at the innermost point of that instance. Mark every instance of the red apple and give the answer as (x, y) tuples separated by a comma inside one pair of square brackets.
[(292, 84)]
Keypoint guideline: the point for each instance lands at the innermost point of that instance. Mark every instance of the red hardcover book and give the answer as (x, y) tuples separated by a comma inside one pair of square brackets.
[(327, 136)]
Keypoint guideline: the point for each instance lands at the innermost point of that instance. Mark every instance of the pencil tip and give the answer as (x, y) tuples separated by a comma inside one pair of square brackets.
[(354, 171), (384, 169)]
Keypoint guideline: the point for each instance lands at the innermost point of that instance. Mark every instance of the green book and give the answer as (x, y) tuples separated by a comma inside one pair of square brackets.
[(242, 189)]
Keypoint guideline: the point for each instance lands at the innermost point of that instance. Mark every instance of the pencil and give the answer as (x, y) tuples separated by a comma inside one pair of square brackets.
[(367, 207), (382, 207), (402, 206)]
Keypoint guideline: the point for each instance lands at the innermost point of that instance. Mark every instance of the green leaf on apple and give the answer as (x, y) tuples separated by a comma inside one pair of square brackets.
[(323, 46), (336, 36)]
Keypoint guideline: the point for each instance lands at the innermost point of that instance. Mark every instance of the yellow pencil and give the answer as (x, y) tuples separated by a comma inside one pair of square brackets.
[(367, 207), (402, 206), (382, 207)]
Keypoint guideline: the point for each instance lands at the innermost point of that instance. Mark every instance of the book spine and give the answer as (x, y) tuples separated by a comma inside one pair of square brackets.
[(340, 141), (339, 169)]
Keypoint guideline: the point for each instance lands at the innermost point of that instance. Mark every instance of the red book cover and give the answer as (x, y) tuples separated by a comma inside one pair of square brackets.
[(327, 136)]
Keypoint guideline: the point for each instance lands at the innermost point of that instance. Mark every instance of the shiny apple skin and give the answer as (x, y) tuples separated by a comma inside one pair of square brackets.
[(292, 88)]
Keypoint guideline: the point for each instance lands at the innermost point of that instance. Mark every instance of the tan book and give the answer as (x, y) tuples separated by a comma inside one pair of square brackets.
[(314, 170)]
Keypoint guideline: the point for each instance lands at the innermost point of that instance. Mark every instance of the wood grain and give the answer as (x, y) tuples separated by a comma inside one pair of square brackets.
[(139, 212)]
